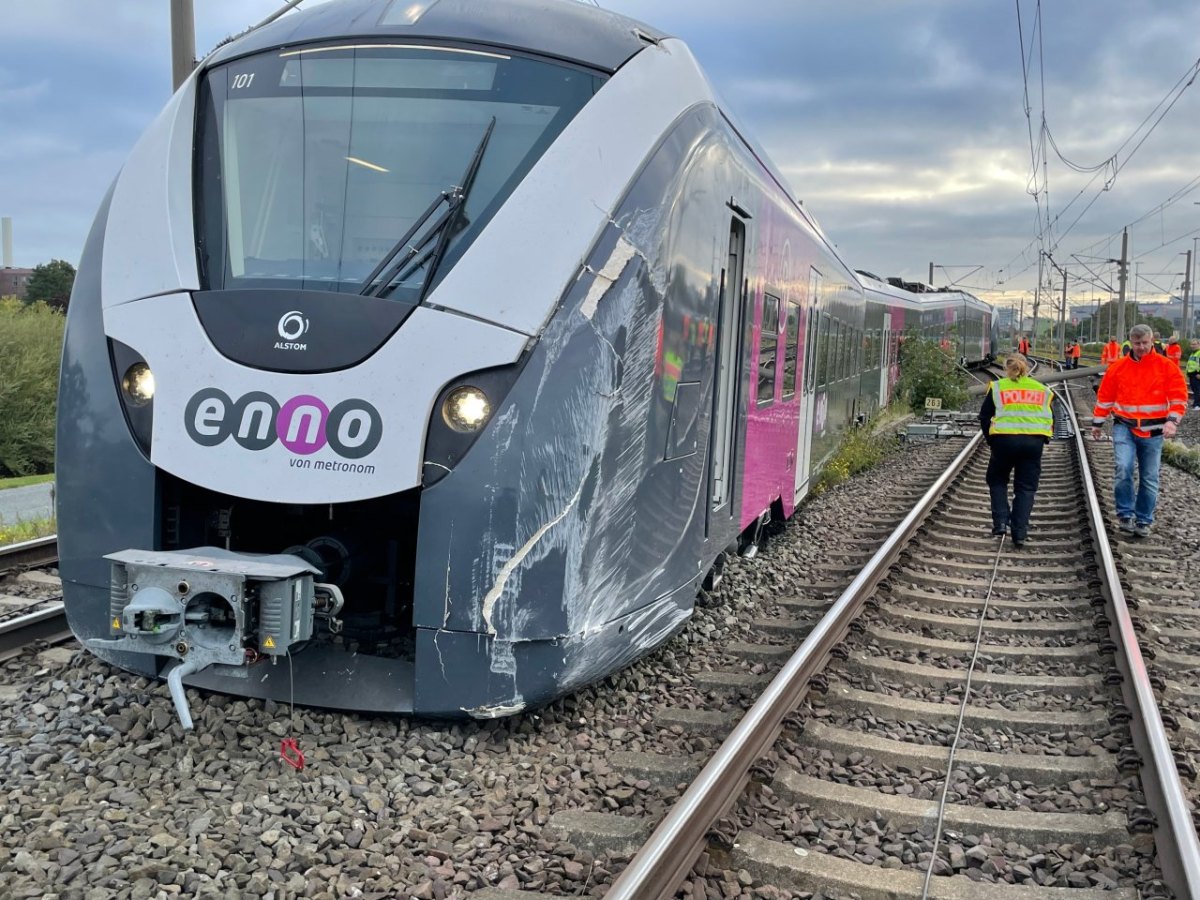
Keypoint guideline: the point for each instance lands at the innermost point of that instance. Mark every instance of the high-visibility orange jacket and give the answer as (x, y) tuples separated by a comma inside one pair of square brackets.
[(1023, 347), (1110, 354), (1142, 393), (1074, 350), (1174, 353)]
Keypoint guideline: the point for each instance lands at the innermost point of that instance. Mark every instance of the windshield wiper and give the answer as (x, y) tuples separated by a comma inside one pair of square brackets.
[(418, 238)]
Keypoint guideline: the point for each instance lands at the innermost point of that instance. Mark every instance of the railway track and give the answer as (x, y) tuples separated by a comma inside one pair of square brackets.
[(32, 554), (979, 727), (26, 620), (561, 801), (393, 806)]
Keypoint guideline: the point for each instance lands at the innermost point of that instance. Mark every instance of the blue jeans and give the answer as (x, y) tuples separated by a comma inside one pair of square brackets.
[(1148, 451)]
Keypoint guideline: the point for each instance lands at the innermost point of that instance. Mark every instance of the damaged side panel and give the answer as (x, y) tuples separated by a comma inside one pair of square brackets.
[(573, 529)]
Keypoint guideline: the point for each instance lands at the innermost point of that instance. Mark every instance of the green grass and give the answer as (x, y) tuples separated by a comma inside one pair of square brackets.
[(26, 531), (861, 449), (1180, 456), (24, 480)]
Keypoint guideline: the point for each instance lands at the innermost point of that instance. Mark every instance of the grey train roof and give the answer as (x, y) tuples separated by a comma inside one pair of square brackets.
[(566, 29)]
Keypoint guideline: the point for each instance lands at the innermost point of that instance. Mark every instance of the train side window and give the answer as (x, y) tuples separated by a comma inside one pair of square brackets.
[(812, 331), (831, 359), (839, 353), (768, 350), (835, 353), (824, 338), (791, 351)]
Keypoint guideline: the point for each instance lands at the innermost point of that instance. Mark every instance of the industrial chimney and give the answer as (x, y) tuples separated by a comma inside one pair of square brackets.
[(6, 240)]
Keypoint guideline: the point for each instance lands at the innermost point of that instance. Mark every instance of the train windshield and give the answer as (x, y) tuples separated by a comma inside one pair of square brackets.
[(314, 163)]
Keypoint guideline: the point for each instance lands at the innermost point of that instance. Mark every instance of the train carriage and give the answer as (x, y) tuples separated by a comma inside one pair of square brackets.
[(440, 351)]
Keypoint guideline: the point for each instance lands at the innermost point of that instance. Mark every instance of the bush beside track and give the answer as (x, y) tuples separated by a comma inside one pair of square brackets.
[(31, 346)]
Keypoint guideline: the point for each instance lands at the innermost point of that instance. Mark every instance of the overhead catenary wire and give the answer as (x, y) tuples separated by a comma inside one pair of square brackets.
[(1047, 226)]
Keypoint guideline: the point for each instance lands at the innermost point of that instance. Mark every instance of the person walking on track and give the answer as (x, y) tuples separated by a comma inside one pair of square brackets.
[(1017, 423), (1023, 346), (1146, 395)]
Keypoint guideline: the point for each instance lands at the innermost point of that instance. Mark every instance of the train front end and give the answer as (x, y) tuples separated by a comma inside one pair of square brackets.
[(297, 312)]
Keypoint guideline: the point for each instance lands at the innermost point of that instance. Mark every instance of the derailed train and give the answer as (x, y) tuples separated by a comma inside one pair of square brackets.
[(444, 348)]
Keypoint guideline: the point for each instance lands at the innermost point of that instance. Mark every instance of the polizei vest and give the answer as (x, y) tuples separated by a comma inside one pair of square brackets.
[(1022, 407)]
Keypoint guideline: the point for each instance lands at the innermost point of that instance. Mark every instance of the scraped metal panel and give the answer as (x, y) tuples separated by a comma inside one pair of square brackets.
[(565, 516)]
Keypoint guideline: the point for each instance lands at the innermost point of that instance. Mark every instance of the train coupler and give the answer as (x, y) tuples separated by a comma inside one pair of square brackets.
[(209, 606)]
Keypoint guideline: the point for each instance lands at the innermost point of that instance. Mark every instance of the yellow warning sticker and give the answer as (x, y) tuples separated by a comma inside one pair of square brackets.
[(116, 624), (269, 643)]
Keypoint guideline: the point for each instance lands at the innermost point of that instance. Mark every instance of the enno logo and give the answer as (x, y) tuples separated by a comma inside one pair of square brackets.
[(304, 424)]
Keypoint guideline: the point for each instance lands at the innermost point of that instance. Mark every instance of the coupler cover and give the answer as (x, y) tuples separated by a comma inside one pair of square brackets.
[(208, 606)]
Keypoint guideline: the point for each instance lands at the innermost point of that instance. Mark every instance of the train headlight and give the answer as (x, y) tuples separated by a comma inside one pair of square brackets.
[(466, 409), (138, 384)]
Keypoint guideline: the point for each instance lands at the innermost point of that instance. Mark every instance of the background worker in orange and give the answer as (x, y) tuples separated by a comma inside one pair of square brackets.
[(1111, 352), (1023, 345), (1146, 396), (1073, 353), (1174, 351)]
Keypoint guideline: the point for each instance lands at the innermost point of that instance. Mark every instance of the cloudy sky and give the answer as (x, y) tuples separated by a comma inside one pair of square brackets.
[(900, 123)]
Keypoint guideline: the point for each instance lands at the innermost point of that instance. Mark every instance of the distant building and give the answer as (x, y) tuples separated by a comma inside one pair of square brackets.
[(13, 282), (1172, 310)]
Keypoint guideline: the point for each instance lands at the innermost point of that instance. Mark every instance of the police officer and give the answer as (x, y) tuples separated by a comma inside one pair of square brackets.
[(1017, 423)]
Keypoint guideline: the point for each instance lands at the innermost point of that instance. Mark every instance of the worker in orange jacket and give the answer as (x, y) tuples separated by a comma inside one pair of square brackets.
[(1146, 395), (1023, 346), (1174, 351), (1111, 352), (1073, 353)]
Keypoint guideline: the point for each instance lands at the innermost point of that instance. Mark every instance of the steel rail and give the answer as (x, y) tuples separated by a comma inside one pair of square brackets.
[(49, 624), (41, 551), (664, 861), (1174, 832)]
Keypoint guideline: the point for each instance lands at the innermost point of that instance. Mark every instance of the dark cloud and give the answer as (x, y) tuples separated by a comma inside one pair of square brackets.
[(900, 123)]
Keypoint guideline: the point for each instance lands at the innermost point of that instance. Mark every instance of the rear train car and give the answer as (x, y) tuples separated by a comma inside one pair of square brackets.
[(960, 323), (439, 352)]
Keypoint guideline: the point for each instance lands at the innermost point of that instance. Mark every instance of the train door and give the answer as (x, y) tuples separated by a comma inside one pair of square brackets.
[(808, 389), (885, 360), (723, 435)]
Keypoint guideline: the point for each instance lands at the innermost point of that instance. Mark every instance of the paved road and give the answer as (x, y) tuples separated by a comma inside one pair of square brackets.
[(25, 504)]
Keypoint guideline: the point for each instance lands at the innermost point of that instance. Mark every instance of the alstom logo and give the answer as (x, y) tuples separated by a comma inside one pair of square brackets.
[(292, 325), (303, 424)]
